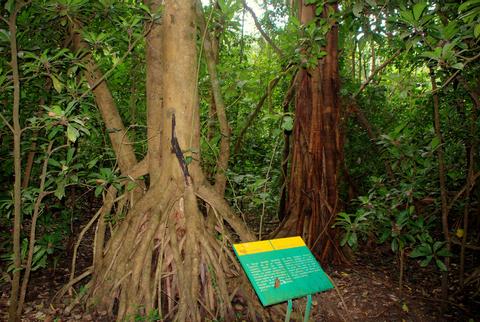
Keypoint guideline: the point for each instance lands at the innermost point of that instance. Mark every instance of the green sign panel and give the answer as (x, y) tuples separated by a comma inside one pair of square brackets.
[(281, 269)]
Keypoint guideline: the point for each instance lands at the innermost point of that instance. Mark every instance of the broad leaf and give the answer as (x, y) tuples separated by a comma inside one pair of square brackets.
[(418, 10), (72, 133), (441, 265)]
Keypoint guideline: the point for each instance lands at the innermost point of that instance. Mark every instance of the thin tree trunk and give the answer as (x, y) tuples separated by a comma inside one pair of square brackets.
[(470, 153), (286, 151), (251, 117), (33, 147), (17, 188), (372, 44), (441, 176), (210, 57), (354, 52), (360, 65), (36, 214)]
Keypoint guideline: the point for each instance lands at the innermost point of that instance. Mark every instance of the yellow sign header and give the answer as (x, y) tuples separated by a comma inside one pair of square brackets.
[(268, 245)]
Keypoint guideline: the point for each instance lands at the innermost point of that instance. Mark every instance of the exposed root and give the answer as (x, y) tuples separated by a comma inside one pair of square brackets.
[(162, 257)]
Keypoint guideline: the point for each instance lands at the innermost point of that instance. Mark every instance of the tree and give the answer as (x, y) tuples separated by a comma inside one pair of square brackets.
[(313, 200), (153, 260)]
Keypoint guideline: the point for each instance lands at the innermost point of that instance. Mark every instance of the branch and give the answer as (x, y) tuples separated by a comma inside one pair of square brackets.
[(462, 191), (104, 76), (267, 38), (254, 113), (467, 61), (6, 122), (224, 155), (469, 246), (473, 94), (375, 72)]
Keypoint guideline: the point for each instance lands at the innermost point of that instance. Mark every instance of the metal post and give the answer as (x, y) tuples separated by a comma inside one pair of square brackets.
[(289, 311), (308, 308)]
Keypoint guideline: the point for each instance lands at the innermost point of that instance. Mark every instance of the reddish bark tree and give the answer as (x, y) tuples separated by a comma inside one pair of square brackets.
[(313, 200)]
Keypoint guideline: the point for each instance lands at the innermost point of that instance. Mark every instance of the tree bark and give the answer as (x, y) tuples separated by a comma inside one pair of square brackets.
[(117, 133), (219, 104), (153, 258), (17, 188), (441, 177), (313, 200), (154, 91)]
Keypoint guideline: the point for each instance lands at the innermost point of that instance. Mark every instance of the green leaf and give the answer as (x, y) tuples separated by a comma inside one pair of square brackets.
[(287, 123), (70, 153), (98, 190), (476, 31), (421, 250), (352, 240), (467, 4), (92, 163), (72, 133), (357, 8), (131, 185), (437, 245), (444, 252), (434, 143), (394, 245), (54, 162), (60, 191), (4, 35), (426, 261), (56, 84), (10, 5), (441, 265), (418, 10)]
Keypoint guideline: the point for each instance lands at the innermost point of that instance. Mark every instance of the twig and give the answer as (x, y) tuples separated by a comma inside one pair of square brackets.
[(265, 189), (77, 279), (462, 191), (260, 29), (375, 72), (472, 247), (106, 74), (257, 109), (6, 122), (339, 295), (467, 61)]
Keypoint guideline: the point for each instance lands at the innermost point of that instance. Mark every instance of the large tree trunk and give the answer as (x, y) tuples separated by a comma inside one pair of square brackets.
[(160, 257), (313, 200)]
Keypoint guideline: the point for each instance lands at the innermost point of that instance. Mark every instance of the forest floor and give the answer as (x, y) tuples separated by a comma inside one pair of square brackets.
[(366, 290)]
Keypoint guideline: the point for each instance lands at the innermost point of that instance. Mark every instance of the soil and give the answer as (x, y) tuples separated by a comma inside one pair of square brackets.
[(366, 290)]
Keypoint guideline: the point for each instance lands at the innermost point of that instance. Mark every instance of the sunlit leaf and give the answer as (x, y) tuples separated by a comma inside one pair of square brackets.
[(476, 31), (418, 10), (72, 133), (357, 8), (56, 84)]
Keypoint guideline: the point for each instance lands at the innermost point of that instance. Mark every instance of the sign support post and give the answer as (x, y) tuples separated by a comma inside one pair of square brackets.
[(289, 311)]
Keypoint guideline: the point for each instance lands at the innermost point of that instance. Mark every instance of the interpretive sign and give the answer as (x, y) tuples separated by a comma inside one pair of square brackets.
[(281, 269)]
